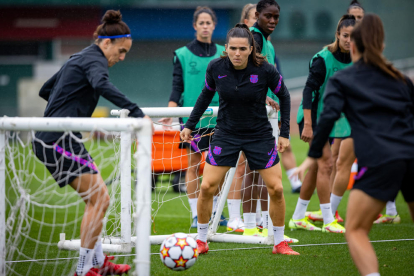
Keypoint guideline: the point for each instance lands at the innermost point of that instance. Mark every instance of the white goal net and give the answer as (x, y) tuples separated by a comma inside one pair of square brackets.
[(41, 222)]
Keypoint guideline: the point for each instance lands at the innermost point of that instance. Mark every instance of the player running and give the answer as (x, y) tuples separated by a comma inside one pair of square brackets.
[(324, 64), (74, 91), (190, 64), (379, 103), (242, 78)]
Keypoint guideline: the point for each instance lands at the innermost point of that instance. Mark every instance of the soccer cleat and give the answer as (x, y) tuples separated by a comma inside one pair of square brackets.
[(304, 224), (235, 225), (290, 240), (109, 268), (202, 247), (284, 249), (333, 227), (388, 219), (315, 216), (194, 224), (338, 217), (91, 272), (297, 190), (259, 224), (254, 232)]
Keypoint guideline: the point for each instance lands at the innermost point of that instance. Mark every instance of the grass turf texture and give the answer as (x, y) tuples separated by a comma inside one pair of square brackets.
[(395, 258)]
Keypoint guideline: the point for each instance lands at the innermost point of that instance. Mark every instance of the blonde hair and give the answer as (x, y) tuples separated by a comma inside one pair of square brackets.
[(246, 11)]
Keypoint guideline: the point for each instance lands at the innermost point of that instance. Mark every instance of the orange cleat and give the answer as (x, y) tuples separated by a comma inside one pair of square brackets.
[(202, 247), (109, 268), (91, 272), (284, 249), (338, 217)]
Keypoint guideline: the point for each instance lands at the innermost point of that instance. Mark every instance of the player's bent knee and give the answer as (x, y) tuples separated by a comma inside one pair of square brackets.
[(276, 191), (207, 189)]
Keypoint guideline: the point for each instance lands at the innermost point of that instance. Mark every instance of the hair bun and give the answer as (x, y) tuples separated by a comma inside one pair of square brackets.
[(111, 17), (354, 2), (242, 25)]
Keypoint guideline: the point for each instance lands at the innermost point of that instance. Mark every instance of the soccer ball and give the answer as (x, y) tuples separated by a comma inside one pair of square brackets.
[(179, 252)]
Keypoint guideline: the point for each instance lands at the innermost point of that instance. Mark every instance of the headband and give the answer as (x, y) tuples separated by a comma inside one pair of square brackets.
[(114, 36)]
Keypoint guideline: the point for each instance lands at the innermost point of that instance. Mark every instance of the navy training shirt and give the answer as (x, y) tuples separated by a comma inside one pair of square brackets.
[(380, 110), (75, 89), (242, 106)]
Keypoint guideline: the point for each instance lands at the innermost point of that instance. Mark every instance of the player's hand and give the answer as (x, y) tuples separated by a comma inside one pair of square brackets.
[(186, 135), (282, 144), (300, 171), (152, 125), (307, 134), (166, 123), (272, 103)]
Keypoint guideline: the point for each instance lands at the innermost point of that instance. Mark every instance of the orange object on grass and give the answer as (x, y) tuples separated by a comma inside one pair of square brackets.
[(166, 154), (354, 171)]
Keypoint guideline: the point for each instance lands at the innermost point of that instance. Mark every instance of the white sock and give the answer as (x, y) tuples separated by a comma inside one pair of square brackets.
[(215, 198), (391, 208), (278, 234), (85, 261), (258, 210), (234, 208), (265, 217), (335, 200), (193, 206), (300, 210), (99, 257), (249, 220), (327, 213), (202, 230), (295, 181), (373, 274)]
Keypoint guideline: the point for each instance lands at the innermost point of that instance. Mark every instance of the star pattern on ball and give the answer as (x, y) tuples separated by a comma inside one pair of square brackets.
[(180, 262), (164, 252), (195, 252), (182, 243)]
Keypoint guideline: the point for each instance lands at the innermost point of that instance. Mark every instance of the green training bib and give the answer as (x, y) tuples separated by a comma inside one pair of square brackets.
[(194, 73)]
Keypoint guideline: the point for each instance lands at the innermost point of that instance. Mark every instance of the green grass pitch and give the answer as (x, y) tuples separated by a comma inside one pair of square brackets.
[(395, 257)]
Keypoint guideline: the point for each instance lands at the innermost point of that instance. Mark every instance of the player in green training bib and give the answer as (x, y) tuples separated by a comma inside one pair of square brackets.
[(190, 65), (323, 65)]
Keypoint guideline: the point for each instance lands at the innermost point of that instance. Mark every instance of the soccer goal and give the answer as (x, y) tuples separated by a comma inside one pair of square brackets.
[(38, 219), (169, 160)]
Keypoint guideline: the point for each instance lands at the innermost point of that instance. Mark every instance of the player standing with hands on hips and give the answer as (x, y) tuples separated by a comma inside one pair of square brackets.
[(74, 91), (242, 78), (379, 103)]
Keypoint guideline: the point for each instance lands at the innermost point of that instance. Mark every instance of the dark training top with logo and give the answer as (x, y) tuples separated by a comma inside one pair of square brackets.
[(75, 89), (242, 108), (379, 109)]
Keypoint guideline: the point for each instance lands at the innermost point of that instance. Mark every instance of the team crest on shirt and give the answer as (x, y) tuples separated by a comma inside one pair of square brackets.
[(254, 78), (217, 150)]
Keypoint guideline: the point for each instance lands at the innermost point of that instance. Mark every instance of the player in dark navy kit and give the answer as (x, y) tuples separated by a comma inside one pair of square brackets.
[(379, 104), (242, 78), (74, 91)]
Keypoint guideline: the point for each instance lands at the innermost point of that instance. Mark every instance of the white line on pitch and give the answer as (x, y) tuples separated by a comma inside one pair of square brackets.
[(214, 250)]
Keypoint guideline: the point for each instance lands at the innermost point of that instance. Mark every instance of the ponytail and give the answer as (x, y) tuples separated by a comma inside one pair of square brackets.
[(241, 30), (345, 21), (369, 37)]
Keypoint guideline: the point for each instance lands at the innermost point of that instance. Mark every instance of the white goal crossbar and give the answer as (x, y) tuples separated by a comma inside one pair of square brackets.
[(127, 126)]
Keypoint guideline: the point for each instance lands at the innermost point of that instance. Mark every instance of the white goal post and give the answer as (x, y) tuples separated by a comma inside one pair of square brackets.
[(142, 129), (174, 112)]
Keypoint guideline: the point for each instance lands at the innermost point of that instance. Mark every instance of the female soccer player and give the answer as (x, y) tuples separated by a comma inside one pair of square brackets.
[(190, 64), (324, 64), (379, 104), (242, 78), (343, 155), (74, 91)]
